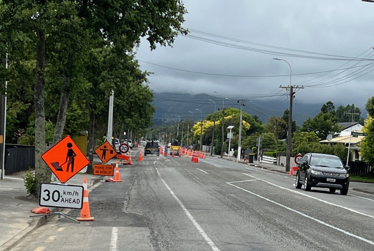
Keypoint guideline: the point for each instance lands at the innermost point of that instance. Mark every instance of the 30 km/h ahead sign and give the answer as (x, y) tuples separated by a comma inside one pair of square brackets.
[(65, 159), (105, 152), (66, 196)]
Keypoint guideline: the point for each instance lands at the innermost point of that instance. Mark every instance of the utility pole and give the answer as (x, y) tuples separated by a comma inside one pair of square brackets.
[(241, 103), (289, 131), (110, 119), (223, 135), (3, 103), (223, 122)]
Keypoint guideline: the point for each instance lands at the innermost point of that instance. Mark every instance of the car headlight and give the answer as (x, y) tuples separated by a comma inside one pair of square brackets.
[(315, 172), (344, 175)]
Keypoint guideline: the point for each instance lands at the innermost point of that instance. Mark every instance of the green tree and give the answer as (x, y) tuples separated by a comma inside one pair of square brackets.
[(349, 113), (277, 126), (322, 125), (367, 149)]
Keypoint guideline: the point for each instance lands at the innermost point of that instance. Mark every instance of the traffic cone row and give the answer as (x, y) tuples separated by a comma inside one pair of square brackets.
[(85, 211)]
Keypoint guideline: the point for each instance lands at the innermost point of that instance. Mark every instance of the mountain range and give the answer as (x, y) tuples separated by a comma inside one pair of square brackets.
[(172, 107)]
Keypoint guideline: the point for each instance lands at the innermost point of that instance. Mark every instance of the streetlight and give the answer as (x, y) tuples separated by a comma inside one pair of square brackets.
[(230, 136), (214, 126), (201, 129), (289, 131)]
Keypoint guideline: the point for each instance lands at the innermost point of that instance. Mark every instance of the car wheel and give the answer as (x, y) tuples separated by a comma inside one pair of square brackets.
[(297, 181), (332, 190), (306, 184), (344, 191)]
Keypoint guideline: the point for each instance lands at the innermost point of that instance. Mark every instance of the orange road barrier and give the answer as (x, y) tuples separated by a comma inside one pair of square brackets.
[(293, 170), (117, 177), (85, 211), (195, 157)]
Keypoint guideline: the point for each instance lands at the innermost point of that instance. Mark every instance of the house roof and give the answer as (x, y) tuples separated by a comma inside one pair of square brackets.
[(344, 140), (346, 125)]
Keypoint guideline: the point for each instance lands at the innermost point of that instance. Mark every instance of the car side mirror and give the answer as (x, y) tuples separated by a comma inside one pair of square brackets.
[(347, 168), (305, 162)]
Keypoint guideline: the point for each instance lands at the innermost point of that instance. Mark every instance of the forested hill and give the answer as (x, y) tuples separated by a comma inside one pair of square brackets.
[(171, 105)]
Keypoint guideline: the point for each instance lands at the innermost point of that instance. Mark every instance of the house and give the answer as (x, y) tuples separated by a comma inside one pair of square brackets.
[(350, 136)]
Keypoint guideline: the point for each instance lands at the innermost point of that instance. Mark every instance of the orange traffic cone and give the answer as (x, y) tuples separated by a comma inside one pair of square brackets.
[(130, 161), (180, 154), (140, 156), (188, 154), (117, 177), (85, 211), (291, 171), (172, 153)]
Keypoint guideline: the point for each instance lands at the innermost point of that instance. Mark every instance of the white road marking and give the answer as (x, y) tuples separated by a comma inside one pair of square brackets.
[(309, 196), (202, 171), (304, 215), (364, 198), (113, 240), (189, 215)]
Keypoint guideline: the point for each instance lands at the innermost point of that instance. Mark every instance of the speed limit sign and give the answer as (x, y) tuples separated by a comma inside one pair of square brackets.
[(56, 195), (298, 158), (123, 148)]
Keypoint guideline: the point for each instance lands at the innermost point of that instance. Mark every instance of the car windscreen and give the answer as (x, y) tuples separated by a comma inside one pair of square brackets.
[(326, 162)]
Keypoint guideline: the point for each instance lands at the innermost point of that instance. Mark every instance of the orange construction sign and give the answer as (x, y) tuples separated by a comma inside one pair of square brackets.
[(65, 159), (105, 152), (104, 170)]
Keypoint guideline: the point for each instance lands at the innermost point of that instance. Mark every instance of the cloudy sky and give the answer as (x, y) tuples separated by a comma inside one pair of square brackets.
[(231, 45)]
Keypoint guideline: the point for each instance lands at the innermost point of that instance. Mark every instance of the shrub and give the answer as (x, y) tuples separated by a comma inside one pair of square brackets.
[(31, 183)]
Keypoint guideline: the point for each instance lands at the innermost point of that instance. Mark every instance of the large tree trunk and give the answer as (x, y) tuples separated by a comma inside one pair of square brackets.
[(91, 142), (64, 102), (42, 172)]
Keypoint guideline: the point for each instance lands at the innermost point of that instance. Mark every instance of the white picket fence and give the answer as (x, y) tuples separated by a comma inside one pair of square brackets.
[(269, 160)]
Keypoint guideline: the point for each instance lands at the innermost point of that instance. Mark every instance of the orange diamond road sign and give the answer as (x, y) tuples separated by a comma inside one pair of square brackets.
[(65, 159), (104, 170), (105, 152)]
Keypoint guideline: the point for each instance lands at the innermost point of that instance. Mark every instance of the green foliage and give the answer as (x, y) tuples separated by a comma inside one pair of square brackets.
[(271, 153), (268, 141), (370, 106), (322, 124), (304, 137), (348, 113), (367, 149), (31, 183)]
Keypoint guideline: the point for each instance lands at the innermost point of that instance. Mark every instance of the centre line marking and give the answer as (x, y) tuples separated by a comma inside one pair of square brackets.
[(304, 215), (202, 171), (113, 239), (189, 215)]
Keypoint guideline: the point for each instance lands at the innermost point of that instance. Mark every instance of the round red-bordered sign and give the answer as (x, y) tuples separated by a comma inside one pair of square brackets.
[(298, 158), (123, 148)]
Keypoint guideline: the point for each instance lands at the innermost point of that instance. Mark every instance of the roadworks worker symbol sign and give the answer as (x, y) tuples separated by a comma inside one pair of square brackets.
[(65, 159), (105, 152)]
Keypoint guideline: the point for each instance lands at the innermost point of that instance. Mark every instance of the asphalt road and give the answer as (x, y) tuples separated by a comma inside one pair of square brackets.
[(167, 203)]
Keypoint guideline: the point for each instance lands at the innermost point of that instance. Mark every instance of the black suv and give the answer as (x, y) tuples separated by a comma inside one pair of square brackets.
[(322, 170), (152, 148)]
